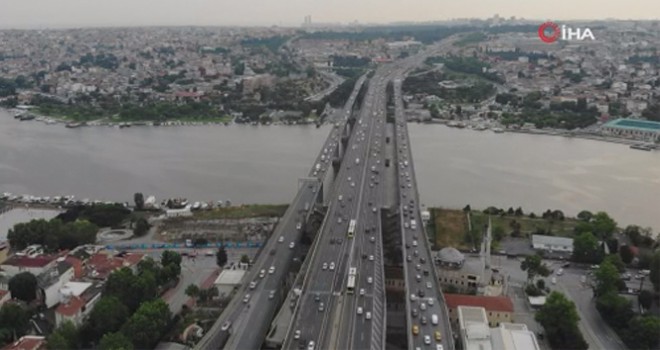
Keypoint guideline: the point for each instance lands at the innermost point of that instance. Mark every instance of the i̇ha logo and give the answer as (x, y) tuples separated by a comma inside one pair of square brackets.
[(550, 32)]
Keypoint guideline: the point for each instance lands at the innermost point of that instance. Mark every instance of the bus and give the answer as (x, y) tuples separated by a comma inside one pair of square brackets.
[(352, 279), (351, 228)]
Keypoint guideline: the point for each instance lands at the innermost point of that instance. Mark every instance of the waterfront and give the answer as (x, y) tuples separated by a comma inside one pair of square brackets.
[(12, 217), (259, 164)]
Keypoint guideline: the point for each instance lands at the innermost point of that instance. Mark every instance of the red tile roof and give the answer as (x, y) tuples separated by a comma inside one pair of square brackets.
[(132, 259), (502, 304), (77, 266), (71, 308), (28, 342), (26, 261), (104, 264)]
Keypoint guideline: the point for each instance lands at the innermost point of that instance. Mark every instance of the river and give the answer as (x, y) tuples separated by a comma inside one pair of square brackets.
[(261, 164)]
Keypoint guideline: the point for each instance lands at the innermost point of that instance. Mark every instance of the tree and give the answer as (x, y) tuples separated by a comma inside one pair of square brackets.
[(534, 267), (586, 249), (115, 341), (645, 299), (626, 254), (221, 257), (643, 332), (108, 316), (498, 233), (14, 322), (634, 233), (170, 258), (192, 290), (615, 310), (138, 198), (66, 336), (559, 318), (655, 271), (245, 259), (130, 289), (519, 212), (148, 324), (603, 225), (141, 228), (607, 278), (585, 215), (23, 286), (616, 260), (467, 208)]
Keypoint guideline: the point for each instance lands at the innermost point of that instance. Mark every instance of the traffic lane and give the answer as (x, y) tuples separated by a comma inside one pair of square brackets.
[(361, 338)]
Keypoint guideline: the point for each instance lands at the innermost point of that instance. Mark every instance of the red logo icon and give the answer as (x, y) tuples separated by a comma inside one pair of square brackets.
[(553, 36)]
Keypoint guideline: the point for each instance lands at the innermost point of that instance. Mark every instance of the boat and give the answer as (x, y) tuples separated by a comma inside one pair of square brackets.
[(73, 125), (498, 130), (641, 147), (26, 117)]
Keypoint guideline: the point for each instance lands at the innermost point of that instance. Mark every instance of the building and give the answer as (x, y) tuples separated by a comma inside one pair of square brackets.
[(173, 213), (476, 335), (228, 280), (49, 282), (4, 251), (78, 300), (100, 265), (27, 342), (498, 309), (450, 257), (633, 128), (552, 243), (457, 273), (33, 264)]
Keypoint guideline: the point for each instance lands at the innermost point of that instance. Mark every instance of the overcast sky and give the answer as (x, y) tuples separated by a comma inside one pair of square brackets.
[(75, 13)]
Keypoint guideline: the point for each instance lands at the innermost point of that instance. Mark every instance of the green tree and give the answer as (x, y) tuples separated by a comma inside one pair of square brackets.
[(642, 333), (498, 232), (141, 228), (559, 318), (115, 341), (57, 341), (626, 254), (655, 271), (585, 215), (586, 249), (130, 289), (615, 310), (148, 324), (603, 225), (108, 316), (616, 260), (66, 336), (23, 286), (245, 259), (192, 290), (221, 257), (138, 198), (14, 322), (607, 278), (170, 258), (534, 266)]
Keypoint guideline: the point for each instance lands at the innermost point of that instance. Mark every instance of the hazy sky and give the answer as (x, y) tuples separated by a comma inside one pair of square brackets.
[(68, 13)]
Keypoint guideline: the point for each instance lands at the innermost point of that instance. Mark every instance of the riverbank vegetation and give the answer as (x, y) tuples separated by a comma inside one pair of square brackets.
[(243, 212)]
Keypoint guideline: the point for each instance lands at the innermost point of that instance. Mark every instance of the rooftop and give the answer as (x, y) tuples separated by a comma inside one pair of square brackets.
[(71, 307), (502, 304), (231, 277), (26, 261), (552, 240), (634, 124), (513, 336), (451, 255), (28, 342)]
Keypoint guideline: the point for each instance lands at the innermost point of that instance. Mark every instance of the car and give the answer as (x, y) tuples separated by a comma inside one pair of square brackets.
[(291, 245), (299, 226), (362, 291), (439, 347), (420, 293), (332, 266), (426, 272), (311, 345), (409, 258), (367, 315), (422, 306), (321, 307), (560, 272), (253, 284), (423, 320), (364, 256), (371, 258), (414, 243), (372, 239), (352, 184), (418, 278), (427, 340), (262, 273), (437, 335), (418, 267), (374, 209), (246, 298), (415, 329), (281, 239), (407, 245), (332, 241), (429, 285), (370, 280), (430, 301), (325, 266), (422, 260), (413, 297), (296, 334), (359, 310), (272, 251), (271, 270), (339, 220), (340, 240), (414, 313), (271, 294)]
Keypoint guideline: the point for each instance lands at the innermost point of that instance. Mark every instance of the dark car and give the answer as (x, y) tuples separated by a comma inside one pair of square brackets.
[(420, 293)]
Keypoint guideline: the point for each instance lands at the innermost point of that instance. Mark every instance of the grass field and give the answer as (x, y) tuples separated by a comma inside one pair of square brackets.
[(450, 228), (243, 211), (528, 225)]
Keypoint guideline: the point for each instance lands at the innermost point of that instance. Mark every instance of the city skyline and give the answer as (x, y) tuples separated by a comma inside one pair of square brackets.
[(84, 13)]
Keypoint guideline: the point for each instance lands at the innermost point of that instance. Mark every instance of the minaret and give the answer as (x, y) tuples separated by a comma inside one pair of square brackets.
[(487, 240)]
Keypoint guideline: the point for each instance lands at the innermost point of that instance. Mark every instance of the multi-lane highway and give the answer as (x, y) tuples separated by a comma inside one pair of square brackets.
[(427, 315), (246, 319)]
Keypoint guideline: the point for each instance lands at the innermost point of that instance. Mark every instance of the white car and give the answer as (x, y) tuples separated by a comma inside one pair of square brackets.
[(422, 307), (362, 291), (427, 339), (299, 226), (429, 285), (430, 301), (332, 266), (253, 285), (370, 280), (281, 239), (325, 266), (311, 345), (262, 273), (271, 270), (291, 245), (359, 310), (371, 258), (372, 239), (367, 315), (296, 334)]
